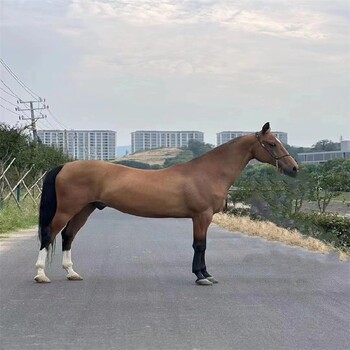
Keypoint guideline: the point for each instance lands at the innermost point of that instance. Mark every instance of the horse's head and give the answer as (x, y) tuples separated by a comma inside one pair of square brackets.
[(269, 149)]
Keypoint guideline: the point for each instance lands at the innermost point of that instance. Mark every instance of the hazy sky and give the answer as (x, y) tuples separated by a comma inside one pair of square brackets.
[(205, 65)]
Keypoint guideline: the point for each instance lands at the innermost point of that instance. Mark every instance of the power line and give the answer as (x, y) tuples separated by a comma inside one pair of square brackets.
[(4, 99), (9, 110), (8, 88), (12, 93), (29, 103), (19, 81), (12, 105), (57, 121), (6, 91), (48, 126)]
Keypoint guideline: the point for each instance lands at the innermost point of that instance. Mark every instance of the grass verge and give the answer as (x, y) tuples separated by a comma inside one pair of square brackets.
[(271, 232), (12, 218), (343, 197)]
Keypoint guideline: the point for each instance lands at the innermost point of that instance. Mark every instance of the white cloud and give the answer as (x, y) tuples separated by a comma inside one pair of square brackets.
[(201, 37), (212, 60), (292, 20)]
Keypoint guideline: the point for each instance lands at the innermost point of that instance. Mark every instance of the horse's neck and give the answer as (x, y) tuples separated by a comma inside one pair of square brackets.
[(226, 162)]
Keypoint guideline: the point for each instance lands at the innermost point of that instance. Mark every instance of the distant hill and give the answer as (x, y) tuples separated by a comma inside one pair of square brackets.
[(152, 157)]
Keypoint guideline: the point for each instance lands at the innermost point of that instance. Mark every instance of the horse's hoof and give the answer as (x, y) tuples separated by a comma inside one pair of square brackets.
[(41, 279), (204, 282), (75, 277), (212, 279)]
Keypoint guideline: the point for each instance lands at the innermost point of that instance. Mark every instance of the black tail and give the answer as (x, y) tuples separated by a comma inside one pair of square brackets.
[(48, 205)]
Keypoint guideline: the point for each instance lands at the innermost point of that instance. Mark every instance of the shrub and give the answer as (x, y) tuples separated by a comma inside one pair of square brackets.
[(328, 227)]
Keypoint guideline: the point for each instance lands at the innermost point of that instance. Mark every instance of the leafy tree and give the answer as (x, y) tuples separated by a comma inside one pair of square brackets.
[(293, 151), (325, 145), (15, 143), (319, 183), (329, 180), (183, 157), (198, 148), (271, 195), (280, 199), (263, 188), (194, 149), (45, 157)]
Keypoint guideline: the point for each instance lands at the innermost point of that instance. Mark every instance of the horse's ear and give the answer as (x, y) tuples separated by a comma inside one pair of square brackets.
[(266, 128)]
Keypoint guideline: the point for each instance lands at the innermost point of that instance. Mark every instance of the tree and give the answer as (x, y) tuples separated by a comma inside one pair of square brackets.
[(198, 148), (184, 156), (329, 180), (46, 157), (293, 151), (14, 143), (325, 145), (265, 190), (270, 195)]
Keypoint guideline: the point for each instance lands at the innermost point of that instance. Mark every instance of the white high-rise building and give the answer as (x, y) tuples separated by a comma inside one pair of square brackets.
[(142, 140), (82, 144), (225, 136)]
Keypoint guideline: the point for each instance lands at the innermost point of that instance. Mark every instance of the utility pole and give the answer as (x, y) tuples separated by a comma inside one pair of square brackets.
[(32, 117)]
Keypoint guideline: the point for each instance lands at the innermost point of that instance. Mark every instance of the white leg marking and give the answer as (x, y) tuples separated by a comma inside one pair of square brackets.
[(40, 266), (67, 264)]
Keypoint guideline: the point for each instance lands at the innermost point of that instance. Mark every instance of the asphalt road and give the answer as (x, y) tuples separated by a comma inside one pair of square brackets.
[(139, 293)]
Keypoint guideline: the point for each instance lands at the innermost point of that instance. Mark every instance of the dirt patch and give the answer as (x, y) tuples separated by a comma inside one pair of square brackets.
[(152, 157)]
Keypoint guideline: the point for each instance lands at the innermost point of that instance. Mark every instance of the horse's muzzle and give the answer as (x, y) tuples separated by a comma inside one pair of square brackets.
[(291, 172)]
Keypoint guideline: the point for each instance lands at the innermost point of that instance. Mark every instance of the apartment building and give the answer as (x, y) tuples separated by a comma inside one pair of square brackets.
[(225, 136), (142, 140), (82, 144)]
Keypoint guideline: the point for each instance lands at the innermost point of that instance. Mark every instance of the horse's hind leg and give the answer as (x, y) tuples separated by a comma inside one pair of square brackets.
[(49, 234), (40, 267), (68, 234)]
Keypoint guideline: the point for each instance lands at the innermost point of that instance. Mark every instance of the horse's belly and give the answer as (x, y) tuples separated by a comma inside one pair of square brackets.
[(148, 203), (151, 211)]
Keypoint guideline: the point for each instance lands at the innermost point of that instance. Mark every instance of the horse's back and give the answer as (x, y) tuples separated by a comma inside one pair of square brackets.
[(155, 193)]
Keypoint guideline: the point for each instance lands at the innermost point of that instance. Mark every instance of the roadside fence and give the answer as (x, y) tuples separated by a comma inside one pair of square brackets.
[(19, 185)]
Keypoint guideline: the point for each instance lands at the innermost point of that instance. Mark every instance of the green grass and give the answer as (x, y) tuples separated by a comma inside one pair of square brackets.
[(345, 196), (12, 218)]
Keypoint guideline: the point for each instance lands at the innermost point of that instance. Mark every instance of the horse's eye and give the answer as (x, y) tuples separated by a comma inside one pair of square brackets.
[(272, 144)]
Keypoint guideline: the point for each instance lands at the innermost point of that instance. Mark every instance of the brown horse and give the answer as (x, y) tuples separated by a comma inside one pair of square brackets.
[(195, 190)]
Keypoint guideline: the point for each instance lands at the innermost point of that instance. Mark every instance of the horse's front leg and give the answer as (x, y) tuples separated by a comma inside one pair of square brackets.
[(200, 227), (204, 271)]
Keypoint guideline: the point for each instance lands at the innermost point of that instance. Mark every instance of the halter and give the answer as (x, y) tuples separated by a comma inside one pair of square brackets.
[(257, 134)]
